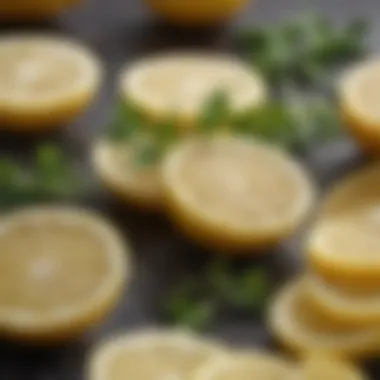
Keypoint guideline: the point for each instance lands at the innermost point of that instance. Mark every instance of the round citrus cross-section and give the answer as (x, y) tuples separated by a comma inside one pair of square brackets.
[(45, 81), (294, 324), (62, 270), (235, 193), (152, 355), (178, 85), (359, 94)]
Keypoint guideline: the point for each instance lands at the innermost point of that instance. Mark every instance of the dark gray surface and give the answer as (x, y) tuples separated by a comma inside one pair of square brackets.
[(119, 31)]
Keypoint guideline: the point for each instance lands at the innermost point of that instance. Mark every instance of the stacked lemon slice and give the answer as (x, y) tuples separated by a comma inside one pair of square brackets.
[(179, 355), (335, 307)]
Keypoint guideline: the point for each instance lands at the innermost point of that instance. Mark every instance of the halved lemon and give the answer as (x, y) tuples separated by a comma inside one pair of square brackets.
[(359, 95), (318, 367), (345, 306), (62, 270), (247, 366), (152, 355), (294, 324), (196, 12), (234, 193), (129, 181), (178, 84), (45, 81)]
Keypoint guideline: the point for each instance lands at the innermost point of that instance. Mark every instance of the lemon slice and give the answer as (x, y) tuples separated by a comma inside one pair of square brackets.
[(300, 329), (234, 192), (359, 97), (321, 367), (61, 271), (196, 12), (344, 245), (152, 355), (347, 250), (345, 306), (136, 184), (356, 191), (45, 81), (247, 366), (178, 85)]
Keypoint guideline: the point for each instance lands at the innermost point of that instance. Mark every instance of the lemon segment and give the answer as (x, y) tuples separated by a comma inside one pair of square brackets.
[(248, 366), (61, 271), (234, 193), (152, 355), (295, 325), (359, 99), (178, 84), (344, 306), (137, 185), (196, 12), (45, 81)]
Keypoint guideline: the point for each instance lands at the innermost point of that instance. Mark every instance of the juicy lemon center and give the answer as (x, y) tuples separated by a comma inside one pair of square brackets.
[(49, 265), (229, 181), (31, 70)]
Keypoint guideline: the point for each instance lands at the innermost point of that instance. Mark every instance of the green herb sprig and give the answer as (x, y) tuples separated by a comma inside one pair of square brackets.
[(304, 49), (196, 302), (49, 177)]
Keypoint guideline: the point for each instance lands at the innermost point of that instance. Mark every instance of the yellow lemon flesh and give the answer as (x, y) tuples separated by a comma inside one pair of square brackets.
[(297, 326), (234, 193), (247, 366), (178, 84), (152, 355), (45, 81), (116, 167), (61, 272), (196, 12), (359, 94)]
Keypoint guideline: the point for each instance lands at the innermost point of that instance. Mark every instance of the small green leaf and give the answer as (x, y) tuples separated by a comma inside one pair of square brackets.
[(215, 113), (126, 122)]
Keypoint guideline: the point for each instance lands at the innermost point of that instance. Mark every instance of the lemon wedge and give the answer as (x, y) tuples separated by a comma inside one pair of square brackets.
[(178, 84), (247, 366), (45, 81), (297, 326), (61, 271), (137, 185), (152, 355), (235, 193), (359, 95)]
